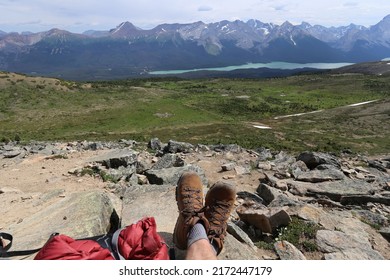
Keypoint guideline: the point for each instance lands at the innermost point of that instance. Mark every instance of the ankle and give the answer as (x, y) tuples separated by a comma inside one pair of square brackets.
[(196, 233)]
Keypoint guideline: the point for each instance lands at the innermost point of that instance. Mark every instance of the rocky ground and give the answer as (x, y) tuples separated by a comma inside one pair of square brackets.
[(303, 206)]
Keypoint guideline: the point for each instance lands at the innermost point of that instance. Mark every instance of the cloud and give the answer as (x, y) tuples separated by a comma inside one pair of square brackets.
[(280, 8), (351, 4), (204, 9)]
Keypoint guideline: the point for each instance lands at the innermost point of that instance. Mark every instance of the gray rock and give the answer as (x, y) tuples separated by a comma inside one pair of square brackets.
[(235, 250), (168, 161), (320, 175), (151, 201), (298, 168), (170, 176), (250, 198), (178, 147), (117, 158), (241, 170), (228, 166), (313, 159), (385, 232), (371, 218), (155, 144), (340, 246), (264, 165), (267, 220), (239, 234), (233, 148), (335, 190), (9, 190), (274, 181), (12, 154), (269, 194), (284, 200), (264, 154), (380, 165), (79, 215), (121, 173), (288, 251)]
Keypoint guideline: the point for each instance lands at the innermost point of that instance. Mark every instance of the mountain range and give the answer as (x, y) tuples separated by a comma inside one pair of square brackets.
[(129, 51)]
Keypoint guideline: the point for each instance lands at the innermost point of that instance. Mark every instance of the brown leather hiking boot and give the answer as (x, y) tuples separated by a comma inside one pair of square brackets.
[(189, 197), (219, 204)]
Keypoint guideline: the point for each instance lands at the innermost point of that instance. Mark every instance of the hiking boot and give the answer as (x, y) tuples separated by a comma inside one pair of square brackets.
[(219, 204), (189, 197)]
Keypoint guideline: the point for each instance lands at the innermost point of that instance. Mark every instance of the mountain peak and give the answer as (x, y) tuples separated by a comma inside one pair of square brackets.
[(124, 29)]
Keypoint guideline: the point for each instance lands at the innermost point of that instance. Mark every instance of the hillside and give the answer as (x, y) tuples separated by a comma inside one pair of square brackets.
[(203, 111), (369, 68)]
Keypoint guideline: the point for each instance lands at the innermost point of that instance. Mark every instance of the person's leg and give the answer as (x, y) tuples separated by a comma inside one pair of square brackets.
[(198, 245), (201, 250), (201, 230)]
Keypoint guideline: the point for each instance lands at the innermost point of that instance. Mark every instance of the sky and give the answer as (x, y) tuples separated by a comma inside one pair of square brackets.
[(82, 15)]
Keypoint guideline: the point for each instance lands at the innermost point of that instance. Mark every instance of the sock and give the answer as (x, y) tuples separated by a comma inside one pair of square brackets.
[(197, 232)]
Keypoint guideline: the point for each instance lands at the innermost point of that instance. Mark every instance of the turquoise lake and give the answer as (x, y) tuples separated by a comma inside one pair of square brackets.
[(271, 65)]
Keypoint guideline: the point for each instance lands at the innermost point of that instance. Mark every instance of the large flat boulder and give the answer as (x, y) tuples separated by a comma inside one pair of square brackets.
[(78, 215)]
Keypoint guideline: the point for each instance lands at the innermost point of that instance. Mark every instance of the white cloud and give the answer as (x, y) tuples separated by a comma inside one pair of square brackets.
[(77, 16), (204, 9)]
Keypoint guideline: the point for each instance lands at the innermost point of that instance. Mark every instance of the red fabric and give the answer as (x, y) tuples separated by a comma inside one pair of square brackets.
[(62, 247), (140, 241)]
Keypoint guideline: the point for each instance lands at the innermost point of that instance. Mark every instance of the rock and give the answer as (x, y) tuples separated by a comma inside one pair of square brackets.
[(121, 173), (313, 159), (385, 232), (380, 165), (178, 147), (299, 188), (233, 148), (298, 168), (288, 251), (235, 250), (149, 200), (142, 179), (320, 175), (374, 219), (170, 176), (282, 162), (269, 193), (264, 165), (168, 161), (274, 181), (6, 190), (241, 170), (335, 190), (316, 215), (284, 200), (79, 215), (117, 158), (155, 144), (264, 154), (340, 246), (12, 154), (239, 234), (249, 198), (267, 220), (228, 166), (364, 199)]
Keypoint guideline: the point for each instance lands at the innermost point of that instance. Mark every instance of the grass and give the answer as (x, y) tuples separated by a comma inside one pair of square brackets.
[(300, 233), (204, 111)]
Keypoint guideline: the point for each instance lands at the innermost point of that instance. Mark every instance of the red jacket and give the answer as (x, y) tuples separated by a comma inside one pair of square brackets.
[(139, 241)]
